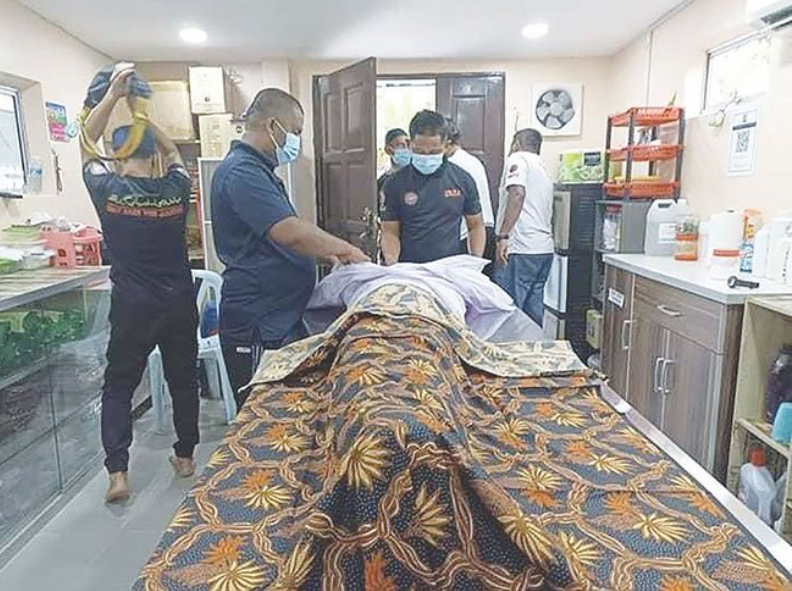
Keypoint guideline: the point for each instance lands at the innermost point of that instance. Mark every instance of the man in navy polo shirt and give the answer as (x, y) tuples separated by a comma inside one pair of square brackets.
[(426, 202), (267, 250)]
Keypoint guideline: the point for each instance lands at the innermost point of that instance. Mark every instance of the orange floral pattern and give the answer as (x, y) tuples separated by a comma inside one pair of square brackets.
[(388, 456)]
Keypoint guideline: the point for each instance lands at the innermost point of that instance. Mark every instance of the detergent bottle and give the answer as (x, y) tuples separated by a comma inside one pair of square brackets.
[(757, 488)]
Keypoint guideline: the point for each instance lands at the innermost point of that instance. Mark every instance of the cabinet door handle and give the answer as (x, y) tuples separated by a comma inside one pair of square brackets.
[(625, 343), (664, 376), (669, 311), (656, 379)]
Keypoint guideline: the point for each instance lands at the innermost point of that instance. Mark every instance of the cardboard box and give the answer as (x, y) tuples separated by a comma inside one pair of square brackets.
[(207, 90), (170, 111)]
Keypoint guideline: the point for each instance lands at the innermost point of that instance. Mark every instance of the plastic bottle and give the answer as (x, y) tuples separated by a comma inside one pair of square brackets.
[(35, 178), (752, 221), (779, 382), (761, 252), (757, 489)]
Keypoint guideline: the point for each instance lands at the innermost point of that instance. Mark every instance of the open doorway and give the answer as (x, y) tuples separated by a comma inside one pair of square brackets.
[(397, 101), (354, 108)]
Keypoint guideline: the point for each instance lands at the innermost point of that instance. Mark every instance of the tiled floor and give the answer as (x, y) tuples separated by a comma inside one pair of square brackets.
[(90, 546)]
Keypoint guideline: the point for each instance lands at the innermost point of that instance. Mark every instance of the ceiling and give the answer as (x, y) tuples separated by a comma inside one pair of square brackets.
[(250, 30)]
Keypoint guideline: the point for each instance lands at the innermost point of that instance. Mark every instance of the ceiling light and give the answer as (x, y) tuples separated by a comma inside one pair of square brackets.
[(535, 30), (193, 35)]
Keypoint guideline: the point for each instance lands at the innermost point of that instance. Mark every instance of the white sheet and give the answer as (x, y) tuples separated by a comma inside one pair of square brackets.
[(456, 281)]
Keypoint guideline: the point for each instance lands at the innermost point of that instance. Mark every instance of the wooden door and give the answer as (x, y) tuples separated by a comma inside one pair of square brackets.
[(345, 111), (617, 327), (647, 352), (476, 102), (686, 381)]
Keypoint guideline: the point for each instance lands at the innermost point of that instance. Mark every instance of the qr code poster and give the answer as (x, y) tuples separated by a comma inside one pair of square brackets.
[(742, 147)]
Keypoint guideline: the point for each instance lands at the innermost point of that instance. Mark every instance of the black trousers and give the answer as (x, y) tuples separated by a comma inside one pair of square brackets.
[(241, 363), (134, 332)]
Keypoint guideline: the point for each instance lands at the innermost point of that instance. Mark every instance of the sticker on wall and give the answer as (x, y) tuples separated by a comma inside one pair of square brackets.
[(742, 144), (557, 108), (57, 122)]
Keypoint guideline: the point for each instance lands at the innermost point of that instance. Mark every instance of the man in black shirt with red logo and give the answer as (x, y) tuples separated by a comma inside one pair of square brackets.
[(153, 301), (426, 201)]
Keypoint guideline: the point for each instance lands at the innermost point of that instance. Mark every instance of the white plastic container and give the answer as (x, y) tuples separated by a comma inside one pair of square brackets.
[(780, 253), (756, 488), (780, 228), (661, 226), (724, 263), (726, 231), (761, 251)]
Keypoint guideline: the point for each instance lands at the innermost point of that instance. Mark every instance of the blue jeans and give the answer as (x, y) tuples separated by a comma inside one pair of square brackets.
[(524, 278)]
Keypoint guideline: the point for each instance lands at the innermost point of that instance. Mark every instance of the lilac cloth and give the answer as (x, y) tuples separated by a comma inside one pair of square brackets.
[(457, 282)]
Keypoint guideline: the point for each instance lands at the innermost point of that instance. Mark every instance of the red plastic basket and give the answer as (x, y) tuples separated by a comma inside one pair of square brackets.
[(647, 116), (646, 153), (639, 190), (73, 249)]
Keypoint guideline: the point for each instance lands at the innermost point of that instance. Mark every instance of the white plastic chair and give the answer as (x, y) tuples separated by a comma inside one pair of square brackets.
[(209, 352)]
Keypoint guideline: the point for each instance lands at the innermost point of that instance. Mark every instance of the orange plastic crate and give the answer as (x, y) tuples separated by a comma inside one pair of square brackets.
[(646, 153), (647, 116), (638, 190)]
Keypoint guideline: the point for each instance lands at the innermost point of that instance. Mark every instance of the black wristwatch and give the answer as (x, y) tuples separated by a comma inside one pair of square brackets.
[(500, 237)]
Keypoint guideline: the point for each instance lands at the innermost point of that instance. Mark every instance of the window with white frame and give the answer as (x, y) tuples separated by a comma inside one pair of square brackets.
[(739, 70), (12, 143)]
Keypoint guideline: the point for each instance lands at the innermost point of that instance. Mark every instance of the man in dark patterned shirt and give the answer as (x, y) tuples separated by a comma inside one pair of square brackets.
[(153, 303)]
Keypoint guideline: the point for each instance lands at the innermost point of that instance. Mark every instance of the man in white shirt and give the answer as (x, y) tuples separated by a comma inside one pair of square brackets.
[(524, 242), (474, 167)]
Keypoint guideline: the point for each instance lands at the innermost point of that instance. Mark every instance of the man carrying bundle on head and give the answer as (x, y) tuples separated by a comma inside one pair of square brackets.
[(143, 219)]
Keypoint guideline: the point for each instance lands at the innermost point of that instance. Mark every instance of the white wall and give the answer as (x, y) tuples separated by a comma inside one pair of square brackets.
[(61, 69), (676, 62), (520, 76)]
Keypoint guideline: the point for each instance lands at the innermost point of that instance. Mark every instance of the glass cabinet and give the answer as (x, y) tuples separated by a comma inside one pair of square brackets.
[(54, 330)]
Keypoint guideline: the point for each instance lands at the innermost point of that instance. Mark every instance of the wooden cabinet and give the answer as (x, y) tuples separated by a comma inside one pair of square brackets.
[(672, 355), (617, 328), (689, 392), (647, 352)]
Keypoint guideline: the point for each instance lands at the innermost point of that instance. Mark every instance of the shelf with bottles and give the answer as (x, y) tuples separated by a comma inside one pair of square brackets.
[(767, 328)]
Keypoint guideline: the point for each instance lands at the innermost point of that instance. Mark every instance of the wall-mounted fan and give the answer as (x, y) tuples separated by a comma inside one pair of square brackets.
[(557, 109)]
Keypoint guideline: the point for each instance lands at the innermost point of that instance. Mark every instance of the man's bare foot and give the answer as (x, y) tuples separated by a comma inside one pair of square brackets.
[(118, 491), (183, 467)]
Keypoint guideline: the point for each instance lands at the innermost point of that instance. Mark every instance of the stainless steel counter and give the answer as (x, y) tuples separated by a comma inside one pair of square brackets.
[(764, 535), (24, 287)]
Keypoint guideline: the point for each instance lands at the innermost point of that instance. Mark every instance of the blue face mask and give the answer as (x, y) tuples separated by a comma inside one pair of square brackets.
[(401, 157), (290, 150), (427, 164)]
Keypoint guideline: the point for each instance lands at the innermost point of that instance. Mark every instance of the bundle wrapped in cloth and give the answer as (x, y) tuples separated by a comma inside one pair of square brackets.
[(138, 96), (398, 450)]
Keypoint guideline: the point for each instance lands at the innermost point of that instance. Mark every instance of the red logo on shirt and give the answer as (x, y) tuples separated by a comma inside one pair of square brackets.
[(410, 198), (449, 193)]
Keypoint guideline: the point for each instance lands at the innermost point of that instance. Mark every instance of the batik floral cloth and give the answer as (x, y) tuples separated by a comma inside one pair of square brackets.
[(397, 452)]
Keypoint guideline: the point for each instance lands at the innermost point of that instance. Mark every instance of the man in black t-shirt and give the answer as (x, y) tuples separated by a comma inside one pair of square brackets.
[(153, 302), (426, 202)]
